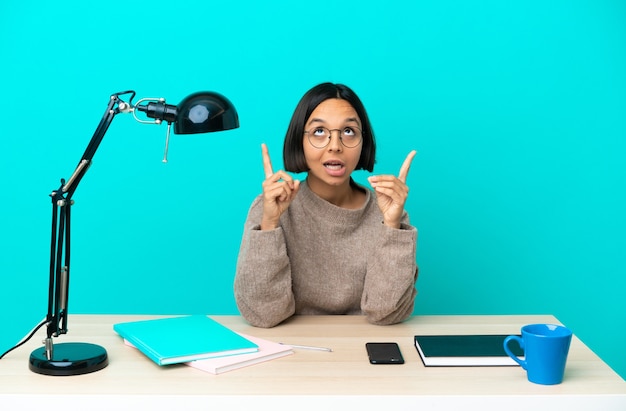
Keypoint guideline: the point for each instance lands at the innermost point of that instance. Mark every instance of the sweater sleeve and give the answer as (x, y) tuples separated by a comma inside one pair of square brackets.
[(263, 278), (389, 290)]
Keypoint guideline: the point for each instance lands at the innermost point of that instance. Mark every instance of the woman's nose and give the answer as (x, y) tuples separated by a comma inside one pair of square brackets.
[(335, 143)]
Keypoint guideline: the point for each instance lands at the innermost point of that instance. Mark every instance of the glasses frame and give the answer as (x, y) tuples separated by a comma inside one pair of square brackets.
[(330, 136)]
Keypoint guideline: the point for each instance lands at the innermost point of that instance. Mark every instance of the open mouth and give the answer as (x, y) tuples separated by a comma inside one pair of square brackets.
[(333, 165)]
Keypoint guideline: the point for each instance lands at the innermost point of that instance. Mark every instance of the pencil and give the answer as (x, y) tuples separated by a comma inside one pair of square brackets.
[(309, 347)]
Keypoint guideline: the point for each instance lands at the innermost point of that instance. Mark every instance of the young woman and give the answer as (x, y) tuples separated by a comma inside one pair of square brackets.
[(328, 245)]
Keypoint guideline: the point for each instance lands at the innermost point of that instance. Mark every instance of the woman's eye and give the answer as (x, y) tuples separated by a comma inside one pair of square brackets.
[(348, 131), (319, 132)]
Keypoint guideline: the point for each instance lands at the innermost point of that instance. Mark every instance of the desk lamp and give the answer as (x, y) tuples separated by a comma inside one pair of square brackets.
[(201, 112)]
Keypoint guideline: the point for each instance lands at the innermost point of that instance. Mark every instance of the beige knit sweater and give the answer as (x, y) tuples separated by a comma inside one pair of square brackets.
[(324, 259)]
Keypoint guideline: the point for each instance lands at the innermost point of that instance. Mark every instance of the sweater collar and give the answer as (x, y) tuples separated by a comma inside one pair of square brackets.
[(331, 211)]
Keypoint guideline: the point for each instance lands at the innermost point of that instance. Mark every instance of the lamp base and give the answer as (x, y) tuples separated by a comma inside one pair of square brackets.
[(69, 359)]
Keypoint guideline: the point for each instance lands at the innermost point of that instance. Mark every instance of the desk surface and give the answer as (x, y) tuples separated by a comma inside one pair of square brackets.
[(315, 379)]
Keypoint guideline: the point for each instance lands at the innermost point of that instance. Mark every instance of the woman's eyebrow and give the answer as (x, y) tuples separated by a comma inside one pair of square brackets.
[(316, 120), (347, 120)]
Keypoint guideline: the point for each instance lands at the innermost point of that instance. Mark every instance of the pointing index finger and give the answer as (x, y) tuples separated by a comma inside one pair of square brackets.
[(404, 170), (267, 163)]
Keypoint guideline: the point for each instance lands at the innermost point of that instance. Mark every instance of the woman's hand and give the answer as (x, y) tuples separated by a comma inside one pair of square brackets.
[(279, 190), (392, 193)]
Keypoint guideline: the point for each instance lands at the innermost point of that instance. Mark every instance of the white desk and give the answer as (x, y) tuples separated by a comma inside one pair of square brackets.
[(342, 379)]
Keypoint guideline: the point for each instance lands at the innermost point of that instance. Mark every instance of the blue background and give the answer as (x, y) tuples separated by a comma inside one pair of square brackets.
[(517, 110)]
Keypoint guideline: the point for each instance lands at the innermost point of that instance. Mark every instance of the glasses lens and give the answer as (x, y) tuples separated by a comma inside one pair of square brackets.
[(350, 136), (319, 137)]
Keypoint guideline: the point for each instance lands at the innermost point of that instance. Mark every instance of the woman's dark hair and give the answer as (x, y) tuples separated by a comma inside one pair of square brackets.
[(293, 151)]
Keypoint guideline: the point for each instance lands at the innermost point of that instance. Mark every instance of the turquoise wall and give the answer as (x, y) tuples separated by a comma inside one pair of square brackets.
[(517, 110)]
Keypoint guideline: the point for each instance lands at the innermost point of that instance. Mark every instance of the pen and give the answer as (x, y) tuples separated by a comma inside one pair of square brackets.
[(309, 347)]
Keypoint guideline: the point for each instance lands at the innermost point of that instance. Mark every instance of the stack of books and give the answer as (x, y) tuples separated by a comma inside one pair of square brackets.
[(199, 342)]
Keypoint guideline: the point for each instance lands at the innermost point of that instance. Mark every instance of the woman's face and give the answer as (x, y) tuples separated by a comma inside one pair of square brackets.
[(333, 164)]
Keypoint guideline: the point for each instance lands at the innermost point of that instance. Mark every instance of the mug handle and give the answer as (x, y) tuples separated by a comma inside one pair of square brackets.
[(508, 351)]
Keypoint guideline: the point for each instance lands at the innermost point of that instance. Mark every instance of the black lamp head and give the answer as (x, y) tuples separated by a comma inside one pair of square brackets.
[(205, 112), (202, 112)]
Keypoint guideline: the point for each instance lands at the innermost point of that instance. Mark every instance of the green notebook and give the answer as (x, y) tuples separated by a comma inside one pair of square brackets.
[(181, 339), (464, 350)]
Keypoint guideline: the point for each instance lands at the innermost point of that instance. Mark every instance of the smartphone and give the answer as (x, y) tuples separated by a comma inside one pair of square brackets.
[(384, 353)]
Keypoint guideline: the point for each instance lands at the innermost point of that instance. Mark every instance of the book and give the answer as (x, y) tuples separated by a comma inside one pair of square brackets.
[(176, 340), (465, 350), (268, 350)]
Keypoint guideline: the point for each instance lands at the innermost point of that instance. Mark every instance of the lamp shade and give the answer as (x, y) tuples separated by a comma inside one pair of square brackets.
[(205, 112)]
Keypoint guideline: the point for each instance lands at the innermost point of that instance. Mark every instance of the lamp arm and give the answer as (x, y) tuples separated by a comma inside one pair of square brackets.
[(58, 290), (116, 105)]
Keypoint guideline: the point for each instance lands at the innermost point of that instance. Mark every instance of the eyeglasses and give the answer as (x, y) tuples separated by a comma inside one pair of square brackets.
[(319, 137)]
